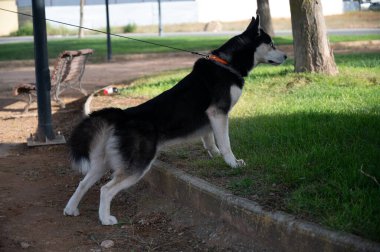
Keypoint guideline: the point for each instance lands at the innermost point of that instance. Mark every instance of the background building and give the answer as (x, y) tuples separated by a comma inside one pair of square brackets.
[(8, 21), (145, 12)]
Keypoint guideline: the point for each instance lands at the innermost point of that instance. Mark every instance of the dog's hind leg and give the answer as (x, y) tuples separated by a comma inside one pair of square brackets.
[(93, 175), (128, 170), (120, 181), (208, 141), (108, 191)]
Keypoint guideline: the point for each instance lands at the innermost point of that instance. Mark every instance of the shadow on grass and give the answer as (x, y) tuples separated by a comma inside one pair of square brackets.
[(322, 158)]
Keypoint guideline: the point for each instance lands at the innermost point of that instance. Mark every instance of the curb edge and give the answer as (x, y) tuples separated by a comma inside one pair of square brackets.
[(277, 230)]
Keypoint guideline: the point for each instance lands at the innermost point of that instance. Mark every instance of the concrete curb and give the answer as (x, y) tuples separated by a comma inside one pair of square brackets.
[(276, 231)]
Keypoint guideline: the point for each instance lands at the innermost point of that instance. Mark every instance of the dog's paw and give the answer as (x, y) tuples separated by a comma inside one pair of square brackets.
[(238, 163), (109, 220), (71, 211)]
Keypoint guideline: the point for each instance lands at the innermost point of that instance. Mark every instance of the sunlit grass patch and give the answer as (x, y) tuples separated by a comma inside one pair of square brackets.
[(123, 46)]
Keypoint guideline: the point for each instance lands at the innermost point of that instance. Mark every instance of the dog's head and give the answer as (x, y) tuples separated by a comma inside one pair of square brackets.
[(252, 47)]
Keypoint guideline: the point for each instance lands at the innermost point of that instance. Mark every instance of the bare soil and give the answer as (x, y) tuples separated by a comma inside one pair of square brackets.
[(36, 184)]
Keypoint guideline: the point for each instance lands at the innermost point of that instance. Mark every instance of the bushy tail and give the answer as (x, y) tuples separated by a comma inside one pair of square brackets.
[(81, 165), (86, 106), (89, 138)]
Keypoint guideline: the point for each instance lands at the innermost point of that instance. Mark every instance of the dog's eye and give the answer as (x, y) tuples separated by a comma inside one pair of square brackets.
[(272, 45)]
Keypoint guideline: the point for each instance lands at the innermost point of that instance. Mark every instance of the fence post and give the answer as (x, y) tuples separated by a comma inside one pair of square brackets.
[(109, 49), (159, 19)]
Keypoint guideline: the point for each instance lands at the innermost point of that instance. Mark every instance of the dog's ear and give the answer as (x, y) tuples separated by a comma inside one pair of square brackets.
[(254, 26)]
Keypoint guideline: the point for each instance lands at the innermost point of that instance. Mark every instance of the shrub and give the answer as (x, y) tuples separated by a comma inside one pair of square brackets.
[(27, 30), (59, 30), (24, 30), (130, 28)]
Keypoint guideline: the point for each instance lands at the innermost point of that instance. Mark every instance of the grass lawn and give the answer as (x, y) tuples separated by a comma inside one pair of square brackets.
[(308, 141), (120, 46)]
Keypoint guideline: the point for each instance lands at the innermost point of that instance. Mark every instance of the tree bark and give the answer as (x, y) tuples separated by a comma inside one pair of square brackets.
[(312, 51), (265, 18), (81, 32)]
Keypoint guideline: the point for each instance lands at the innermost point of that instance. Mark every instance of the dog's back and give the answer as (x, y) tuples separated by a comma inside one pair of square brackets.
[(176, 113)]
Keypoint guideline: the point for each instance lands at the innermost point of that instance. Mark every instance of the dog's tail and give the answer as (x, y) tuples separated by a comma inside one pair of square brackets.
[(87, 106), (87, 144), (88, 141), (81, 165)]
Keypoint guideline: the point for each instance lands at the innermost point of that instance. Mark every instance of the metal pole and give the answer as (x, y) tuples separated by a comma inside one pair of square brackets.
[(159, 19), (81, 30), (109, 49), (42, 72)]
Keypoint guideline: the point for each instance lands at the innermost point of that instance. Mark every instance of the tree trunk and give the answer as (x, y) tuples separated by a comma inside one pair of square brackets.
[(312, 51), (265, 18), (81, 32)]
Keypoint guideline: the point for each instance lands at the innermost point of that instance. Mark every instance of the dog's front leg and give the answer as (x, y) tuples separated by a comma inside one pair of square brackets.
[(208, 141), (219, 125)]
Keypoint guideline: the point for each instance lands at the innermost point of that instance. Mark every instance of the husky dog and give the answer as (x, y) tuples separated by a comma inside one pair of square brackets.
[(127, 141)]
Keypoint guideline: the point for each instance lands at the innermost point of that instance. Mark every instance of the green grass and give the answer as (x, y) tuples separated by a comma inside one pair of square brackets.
[(27, 30), (348, 38), (120, 46), (241, 186), (309, 135), (22, 51)]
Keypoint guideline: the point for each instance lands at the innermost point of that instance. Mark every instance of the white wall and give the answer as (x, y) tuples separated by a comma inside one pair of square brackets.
[(209, 10), (94, 16), (177, 12), (8, 20), (281, 8), (332, 7), (218, 10)]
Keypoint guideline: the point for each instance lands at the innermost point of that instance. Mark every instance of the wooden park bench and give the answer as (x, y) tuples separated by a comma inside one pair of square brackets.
[(68, 71)]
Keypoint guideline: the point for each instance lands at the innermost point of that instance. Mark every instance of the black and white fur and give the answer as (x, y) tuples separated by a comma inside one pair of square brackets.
[(127, 141)]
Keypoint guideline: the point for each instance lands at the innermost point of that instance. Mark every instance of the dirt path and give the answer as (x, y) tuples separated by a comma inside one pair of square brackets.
[(34, 192)]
